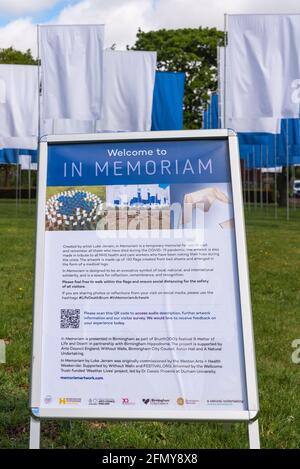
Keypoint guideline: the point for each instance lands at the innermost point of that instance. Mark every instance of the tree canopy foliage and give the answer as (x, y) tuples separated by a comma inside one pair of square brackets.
[(13, 56), (193, 51)]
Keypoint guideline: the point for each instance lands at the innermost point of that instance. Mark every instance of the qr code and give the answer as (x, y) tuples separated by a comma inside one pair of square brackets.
[(69, 318)]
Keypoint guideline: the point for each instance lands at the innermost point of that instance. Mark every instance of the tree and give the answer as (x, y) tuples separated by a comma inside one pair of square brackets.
[(193, 51), (13, 56)]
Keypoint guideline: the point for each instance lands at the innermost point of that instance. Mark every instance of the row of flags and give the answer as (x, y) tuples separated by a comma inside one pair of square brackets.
[(82, 88), (261, 149), (259, 88), (167, 114)]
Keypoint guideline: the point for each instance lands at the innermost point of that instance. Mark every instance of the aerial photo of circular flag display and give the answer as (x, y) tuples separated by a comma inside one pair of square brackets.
[(73, 210)]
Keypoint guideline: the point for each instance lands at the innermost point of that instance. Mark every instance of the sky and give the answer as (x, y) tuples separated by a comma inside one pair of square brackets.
[(122, 18)]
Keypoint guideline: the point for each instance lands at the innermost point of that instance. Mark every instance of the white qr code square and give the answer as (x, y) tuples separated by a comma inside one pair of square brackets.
[(69, 318)]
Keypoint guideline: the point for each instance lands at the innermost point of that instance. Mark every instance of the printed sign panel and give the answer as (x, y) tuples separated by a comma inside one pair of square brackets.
[(141, 297)]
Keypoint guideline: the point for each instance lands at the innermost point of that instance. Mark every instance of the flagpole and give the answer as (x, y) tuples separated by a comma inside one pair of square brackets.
[(219, 90), (261, 181), (287, 172), (20, 176), (225, 67), (293, 179), (248, 183), (29, 184), (267, 191), (244, 182), (276, 188), (210, 114), (39, 81), (253, 174), (17, 183)]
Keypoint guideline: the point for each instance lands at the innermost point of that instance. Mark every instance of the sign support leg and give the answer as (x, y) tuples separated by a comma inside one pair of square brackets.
[(35, 433), (253, 434)]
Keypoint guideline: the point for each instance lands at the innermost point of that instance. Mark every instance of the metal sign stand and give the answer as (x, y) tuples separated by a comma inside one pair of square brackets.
[(253, 435), (35, 433)]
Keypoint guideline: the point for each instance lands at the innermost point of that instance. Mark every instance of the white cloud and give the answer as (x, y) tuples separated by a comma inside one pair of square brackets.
[(19, 7), (195, 13), (21, 34), (123, 17)]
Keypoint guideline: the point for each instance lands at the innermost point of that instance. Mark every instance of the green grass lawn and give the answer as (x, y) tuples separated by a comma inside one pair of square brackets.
[(274, 255)]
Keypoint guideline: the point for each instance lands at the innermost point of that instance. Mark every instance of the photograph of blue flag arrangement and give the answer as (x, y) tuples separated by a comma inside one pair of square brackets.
[(73, 210)]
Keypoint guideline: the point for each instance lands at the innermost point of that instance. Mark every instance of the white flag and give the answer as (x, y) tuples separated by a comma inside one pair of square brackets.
[(263, 124), (72, 71), (25, 162), (67, 126), (18, 106), (267, 124), (263, 66), (129, 78)]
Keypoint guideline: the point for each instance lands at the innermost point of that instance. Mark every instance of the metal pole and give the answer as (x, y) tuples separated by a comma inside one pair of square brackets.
[(294, 177), (276, 199), (225, 68), (261, 180), (254, 178), (219, 90), (287, 172), (248, 183), (17, 183), (267, 191), (244, 182), (29, 186), (210, 113), (20, 178), (39, 80)]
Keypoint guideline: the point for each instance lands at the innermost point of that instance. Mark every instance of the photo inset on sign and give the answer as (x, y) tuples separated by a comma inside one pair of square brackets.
[(195, 204), (137, 207), (74, 208)]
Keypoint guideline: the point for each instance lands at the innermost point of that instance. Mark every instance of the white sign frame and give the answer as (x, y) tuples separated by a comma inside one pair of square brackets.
[(250, 415)]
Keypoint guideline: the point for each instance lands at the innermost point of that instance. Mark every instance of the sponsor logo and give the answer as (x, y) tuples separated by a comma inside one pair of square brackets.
[(180, 401), (69, 400), (156, 401), (192, 401), (127, 401), (48, 399), (100, 401)]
